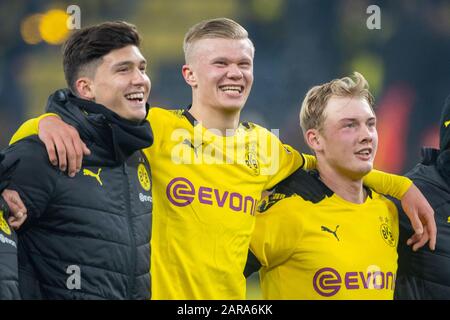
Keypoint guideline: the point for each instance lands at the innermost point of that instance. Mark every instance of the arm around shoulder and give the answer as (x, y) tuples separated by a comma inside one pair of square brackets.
[(29, 128), (33, 177)]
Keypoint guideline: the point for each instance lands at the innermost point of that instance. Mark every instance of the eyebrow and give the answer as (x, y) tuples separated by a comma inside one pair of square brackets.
[(128, 63), (355, 119), (227, 59)]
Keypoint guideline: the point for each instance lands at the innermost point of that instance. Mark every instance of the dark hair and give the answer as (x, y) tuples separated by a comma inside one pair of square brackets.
[(89, 45)]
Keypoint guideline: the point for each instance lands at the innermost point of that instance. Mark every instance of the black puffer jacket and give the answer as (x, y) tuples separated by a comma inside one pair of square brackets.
[(9, 273), (86, 237), (425, 274)]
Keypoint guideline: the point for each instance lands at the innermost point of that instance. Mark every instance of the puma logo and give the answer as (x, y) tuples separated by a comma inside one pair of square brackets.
[(89, 173), (446, 123), (189, 143), (333, 232)]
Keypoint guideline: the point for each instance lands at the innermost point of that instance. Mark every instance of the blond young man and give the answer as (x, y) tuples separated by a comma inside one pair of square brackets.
[(341, 242), (208, 169)]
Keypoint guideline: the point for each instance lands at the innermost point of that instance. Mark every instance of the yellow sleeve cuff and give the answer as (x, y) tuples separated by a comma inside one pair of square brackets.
[(29, 128), (385, 183), (310, 162)]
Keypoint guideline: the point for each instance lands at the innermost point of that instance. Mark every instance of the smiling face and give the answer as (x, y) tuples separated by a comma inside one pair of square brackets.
[(220, 72), (120, 83), (348, 139)]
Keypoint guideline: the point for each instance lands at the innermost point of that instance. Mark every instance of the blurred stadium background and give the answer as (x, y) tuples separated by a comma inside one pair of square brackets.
[(299, 43)]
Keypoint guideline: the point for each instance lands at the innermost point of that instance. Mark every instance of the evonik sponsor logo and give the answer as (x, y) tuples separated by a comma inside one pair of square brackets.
[(328, 281), (182, 192)]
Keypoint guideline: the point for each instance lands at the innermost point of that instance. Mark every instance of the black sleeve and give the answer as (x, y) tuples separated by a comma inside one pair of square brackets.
[(5, 172), (9, 278), (252, 265), (3, 182), (33, 177), (5, 176)]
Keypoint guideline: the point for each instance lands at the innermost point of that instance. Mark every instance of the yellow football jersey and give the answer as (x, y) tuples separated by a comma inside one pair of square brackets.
[(206, 187), (333, 249)]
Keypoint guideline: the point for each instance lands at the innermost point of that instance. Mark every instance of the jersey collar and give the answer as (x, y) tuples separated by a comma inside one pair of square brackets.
[(189, 116)]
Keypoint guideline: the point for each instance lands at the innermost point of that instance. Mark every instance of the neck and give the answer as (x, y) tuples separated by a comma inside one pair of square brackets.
[(225, 122), (350, 189)]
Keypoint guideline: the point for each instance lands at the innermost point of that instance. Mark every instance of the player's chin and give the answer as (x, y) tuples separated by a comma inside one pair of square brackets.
[(234, 104), (137, 115), (357, 169), (364, 168), (232, 107)]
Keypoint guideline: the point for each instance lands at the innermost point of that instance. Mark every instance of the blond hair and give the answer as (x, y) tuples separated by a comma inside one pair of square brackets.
[(222, 28), (312, 111)]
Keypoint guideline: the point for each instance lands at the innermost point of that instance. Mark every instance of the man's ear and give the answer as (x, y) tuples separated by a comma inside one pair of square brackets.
[(314, 139), (84, 88), (189, 76)]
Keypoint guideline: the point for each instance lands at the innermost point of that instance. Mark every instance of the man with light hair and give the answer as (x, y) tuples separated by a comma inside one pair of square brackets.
[(209, 170), (340, 241)]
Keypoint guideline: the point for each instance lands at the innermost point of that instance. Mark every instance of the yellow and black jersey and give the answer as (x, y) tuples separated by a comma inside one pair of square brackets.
[(206, 188), (326, 247)]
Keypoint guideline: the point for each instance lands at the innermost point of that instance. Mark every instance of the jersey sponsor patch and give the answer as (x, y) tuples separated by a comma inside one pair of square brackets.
[(144, 178), (328, 281), (181, 192), (386, 232), (145, 198)]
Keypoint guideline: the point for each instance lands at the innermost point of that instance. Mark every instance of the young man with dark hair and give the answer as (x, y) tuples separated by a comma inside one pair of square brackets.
[(88, 237)]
